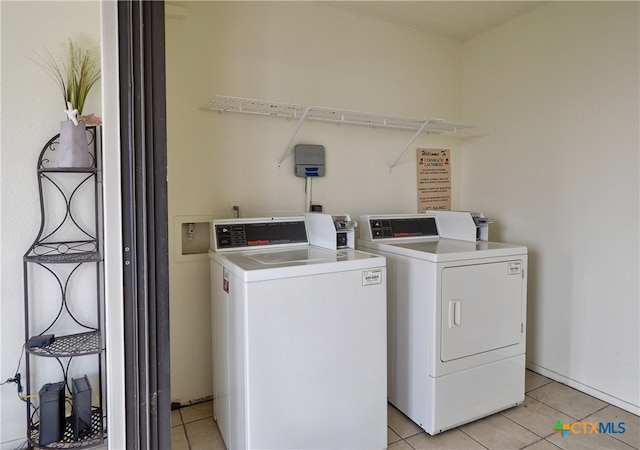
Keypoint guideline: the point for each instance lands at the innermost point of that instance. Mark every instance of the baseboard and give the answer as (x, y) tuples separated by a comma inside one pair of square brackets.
[(178, 405)]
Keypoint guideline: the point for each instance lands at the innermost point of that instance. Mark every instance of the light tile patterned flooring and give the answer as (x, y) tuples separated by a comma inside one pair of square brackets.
[(529, 425)]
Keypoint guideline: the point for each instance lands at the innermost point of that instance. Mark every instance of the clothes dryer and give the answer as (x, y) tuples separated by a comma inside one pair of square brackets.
[(299, 337), (456, 318)]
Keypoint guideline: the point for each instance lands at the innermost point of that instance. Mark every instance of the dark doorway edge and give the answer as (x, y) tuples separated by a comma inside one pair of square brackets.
[(141, 42)]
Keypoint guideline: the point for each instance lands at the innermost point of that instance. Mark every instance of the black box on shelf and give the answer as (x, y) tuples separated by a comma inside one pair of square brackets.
[(81, 409), (40, 341), (52, 422)]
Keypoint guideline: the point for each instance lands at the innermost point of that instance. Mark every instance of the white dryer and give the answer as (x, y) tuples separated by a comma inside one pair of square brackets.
[(299, 337), (456, 318)]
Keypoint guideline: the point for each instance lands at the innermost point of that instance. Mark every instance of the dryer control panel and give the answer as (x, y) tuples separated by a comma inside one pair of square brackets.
[(407, 226)]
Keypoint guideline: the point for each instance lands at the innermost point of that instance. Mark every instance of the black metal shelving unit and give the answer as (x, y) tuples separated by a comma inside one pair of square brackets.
[(61, 266)]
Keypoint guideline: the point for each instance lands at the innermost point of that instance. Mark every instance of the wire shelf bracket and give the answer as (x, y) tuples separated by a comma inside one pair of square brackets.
[(302, 113)]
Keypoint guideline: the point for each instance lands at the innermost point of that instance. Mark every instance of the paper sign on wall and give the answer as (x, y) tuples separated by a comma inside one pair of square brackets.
[(434, 179)]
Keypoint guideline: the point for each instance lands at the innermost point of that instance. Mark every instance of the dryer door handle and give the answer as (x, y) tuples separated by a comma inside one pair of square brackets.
[(455, 313)]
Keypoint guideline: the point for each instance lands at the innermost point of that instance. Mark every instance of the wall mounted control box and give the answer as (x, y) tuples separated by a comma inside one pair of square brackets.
[(309, 160)]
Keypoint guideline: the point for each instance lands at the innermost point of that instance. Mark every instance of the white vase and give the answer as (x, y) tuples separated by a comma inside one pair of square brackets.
[(73, 149)]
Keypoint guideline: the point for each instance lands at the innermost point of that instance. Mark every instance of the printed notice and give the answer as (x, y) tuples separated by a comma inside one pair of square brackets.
[(434, 180), (370, 277)]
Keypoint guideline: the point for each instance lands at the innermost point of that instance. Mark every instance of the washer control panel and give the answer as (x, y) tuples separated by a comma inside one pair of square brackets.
[(229, 235)]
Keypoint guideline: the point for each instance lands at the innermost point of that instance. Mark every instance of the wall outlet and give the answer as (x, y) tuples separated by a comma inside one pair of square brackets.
[(235, 209)]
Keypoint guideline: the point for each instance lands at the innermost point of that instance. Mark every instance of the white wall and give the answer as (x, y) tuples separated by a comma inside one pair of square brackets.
[(298, 52), (559, 87), (30, 115)]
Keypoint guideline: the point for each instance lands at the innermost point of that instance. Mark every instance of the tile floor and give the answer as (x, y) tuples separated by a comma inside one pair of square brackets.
[(529, 425)]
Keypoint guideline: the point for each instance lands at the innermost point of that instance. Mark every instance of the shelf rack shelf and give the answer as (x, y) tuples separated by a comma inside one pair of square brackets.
[(301, 113), (93, 439), (71, 345)]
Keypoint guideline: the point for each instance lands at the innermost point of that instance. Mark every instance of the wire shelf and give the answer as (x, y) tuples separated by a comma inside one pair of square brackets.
[(71, 345), (94, 438), (221, 103), (64, 252)]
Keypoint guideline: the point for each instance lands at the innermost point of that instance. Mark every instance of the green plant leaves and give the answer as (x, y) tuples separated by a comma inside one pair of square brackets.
[(75, 74)]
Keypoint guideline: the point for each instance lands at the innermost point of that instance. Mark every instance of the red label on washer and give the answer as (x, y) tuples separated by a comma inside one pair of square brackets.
[(225, 280)]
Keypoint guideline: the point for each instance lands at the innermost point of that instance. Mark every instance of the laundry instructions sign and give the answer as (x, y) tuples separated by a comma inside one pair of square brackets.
[(434, 179)]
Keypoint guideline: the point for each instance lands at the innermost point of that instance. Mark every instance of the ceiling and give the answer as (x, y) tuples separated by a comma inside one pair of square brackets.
[(459, 20)]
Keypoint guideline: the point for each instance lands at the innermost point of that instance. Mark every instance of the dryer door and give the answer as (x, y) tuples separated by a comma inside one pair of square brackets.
[(481, 308)]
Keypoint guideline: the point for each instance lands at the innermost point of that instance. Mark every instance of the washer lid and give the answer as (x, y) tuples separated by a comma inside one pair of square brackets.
[(307, 255), (266, 264)]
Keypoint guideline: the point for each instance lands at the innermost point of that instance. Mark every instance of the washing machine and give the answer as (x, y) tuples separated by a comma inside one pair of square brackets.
[(299, 338), (456, 317)]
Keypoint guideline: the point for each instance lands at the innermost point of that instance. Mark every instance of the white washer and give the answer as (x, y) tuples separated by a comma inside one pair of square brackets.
[(299, 337), (456, 319)]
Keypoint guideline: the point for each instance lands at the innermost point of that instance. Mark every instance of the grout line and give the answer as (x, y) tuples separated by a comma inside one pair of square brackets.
[(186, 436), (394, 432), (533, 443), (597, 411), (555, 409), (415, 434), (539, 387), (541, 440), (471, 437), (549, 442), (549, 381), (410, 446), (521, 425), (184, 427)]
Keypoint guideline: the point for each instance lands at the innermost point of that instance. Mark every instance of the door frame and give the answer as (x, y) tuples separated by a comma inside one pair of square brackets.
[(136, 225)]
